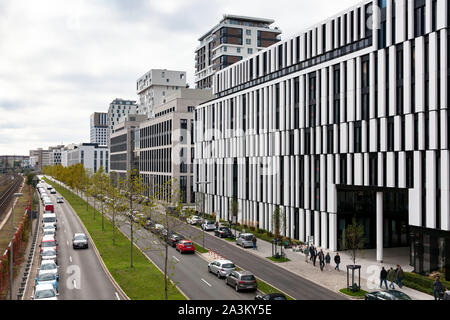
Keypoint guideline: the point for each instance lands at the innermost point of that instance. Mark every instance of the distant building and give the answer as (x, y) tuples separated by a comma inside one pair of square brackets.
[(43, 158), (118, 110), (234, 38), (155, 86), (166, 143), (99, 128), (90, 155), (13, 162), (122, 145)]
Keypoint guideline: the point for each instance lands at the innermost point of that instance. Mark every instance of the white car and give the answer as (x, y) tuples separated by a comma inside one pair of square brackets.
[(194, 220), (59, 200), (48, 227), (209, 225), (48, 266), (44, 292), (49, 218), (49, 254)]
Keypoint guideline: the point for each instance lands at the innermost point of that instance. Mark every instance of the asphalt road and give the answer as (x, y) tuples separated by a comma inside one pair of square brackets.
[(81, 274)]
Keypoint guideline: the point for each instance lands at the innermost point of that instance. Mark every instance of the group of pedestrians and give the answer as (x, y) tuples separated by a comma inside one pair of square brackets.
[(438, 291), (311, 253), (391, 275)]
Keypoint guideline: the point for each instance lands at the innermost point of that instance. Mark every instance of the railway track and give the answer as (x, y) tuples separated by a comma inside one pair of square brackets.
[(6, 197)]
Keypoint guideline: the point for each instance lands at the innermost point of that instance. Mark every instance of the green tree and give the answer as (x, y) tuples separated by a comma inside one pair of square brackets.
[(354, 238), (279, 221)]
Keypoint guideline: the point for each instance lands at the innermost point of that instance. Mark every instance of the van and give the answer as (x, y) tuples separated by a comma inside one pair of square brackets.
[(49, 207), (49, 218)]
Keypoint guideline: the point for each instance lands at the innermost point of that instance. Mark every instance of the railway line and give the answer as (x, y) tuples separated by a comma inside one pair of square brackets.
[(6, 196)]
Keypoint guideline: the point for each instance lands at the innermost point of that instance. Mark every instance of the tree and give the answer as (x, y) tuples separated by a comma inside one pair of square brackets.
[(114, 204), (234, 209), (278, 220), (354, 238), (101, 180)]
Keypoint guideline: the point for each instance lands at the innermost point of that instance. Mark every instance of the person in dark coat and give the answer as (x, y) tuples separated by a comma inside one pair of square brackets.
[(254, 242), (328, 261), (437, 288), (311, 252), (383, 278), (400, 275), (314, 256), (337, 260), (321, 260), (391, 277)]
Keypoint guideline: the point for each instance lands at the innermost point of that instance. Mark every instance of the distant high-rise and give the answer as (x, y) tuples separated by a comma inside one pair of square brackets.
[(154, 87), (234, 38), (118, 110), (99, 128)]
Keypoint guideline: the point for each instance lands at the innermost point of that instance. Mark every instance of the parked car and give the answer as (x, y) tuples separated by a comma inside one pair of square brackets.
[(59, 199), (241, 280), (221, 268), (185, 246), (194, 220), (49, 254), (386, 295), (245, 240), (148, 224), (271, 296), (44, 292), (80, 241), (209, 225), (174, 238), (47, 278), (223, 232), (48, 266), (53, 191), (49, 218), (48, 242), (157, 228), (48, 226)]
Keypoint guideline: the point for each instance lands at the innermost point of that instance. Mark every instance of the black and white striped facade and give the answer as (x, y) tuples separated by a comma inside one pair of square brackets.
[(358, 101)]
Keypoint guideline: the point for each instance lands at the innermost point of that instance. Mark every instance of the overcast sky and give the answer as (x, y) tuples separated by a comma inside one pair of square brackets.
[(60, 61)]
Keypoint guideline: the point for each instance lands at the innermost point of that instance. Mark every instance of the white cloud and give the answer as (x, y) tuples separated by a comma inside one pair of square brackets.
[(60, 61)]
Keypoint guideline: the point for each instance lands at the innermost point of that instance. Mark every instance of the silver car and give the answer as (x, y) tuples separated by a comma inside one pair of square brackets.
[(241, 280), (80, 241), (209, 225), (245, 240), (49, 254), (221, 267)]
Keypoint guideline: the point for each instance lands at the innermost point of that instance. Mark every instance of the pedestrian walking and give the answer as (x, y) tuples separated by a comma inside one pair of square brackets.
[(254, 242), (311, 252), (217, 225), (314, 256), (337, 260), (391, 276), (321, 260), (328, 261), (306, 253), (383, 277), (447, 294), (437, 288), (400, 275)]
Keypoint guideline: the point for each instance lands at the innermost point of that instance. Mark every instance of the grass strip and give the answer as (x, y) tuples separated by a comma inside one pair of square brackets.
[(142, 282), (278, 260), (358, 294), (267, 288)]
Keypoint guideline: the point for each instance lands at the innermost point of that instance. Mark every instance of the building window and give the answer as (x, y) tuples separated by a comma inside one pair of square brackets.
[(248, 32), (249, 50), (248, 41)]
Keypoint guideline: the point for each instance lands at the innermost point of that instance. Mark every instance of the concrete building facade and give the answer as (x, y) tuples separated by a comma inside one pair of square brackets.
[(90, 155), (99, 128), (118, 110)]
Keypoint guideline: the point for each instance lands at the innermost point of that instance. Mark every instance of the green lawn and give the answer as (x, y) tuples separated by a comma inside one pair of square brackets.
[(142, 282), (358, 294), (267, 288)]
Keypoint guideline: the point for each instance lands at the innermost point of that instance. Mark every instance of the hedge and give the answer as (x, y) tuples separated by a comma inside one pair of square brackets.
[(421, 283)]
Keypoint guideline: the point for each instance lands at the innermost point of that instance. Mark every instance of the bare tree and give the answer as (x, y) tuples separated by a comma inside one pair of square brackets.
[(354, 238)]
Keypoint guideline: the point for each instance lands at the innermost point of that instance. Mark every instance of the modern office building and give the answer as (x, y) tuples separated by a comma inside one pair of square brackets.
[(118, 110), (348, 118), (155, 86), (99, 128), (90, 155), (43, 158), (122, 145), (231, 40), (166, 147)]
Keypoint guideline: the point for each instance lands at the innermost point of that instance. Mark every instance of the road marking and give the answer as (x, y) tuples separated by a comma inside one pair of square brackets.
[(64, 230), (74, 284), (155, 242), (176, 258), (70, 259), (67, 241), (206, 282), (117, 295)]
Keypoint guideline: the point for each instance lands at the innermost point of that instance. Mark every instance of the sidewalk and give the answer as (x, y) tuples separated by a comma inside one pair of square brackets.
[(334, 280)]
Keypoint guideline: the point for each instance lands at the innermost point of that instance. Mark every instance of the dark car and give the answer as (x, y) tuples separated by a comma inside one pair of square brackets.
[(148, 224), (223, 232), (386, 295), (80, 241), (241, 280), (271, 296), (174, 238)]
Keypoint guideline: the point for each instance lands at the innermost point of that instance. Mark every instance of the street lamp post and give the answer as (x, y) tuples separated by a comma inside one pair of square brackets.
[(203, 208), (11, 252)]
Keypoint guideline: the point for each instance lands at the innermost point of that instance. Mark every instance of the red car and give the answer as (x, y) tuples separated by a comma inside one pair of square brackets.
[(48, 242), (185, 246)]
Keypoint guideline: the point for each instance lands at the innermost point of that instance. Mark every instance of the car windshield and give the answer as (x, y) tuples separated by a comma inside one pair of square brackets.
[(49, 233), (49, 253), (278, 298), (49, 219), (228, 265), (48, 266), (400, 295), (248, 278), (80, 237), (247, 237), (47, 277), (43, 294), (209, 222), (48, 244)]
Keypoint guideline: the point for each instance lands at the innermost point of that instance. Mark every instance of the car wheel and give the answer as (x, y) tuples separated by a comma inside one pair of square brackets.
[(236, 288)]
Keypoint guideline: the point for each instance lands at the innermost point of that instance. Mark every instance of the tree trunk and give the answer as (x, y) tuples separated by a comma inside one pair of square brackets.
[(165, 273)]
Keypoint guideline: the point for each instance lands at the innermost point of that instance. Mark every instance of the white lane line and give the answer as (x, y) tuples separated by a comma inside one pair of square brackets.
[(67, 241), (74, 284), (206, 282), (117, 295), (176, 258), (155, 242), (70, 259)]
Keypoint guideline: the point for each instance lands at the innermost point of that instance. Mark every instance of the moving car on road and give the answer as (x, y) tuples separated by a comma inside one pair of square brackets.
[(185, 246), (386, 295), (59, 199), (48, 266), (271, 296), (80, 241), (245, 240), (241, 280), (174, 238), (49, 218), (47, 278), (223, 232), (44, 292), (221, 268), (49, 254), (209, 225), (48, 242)]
